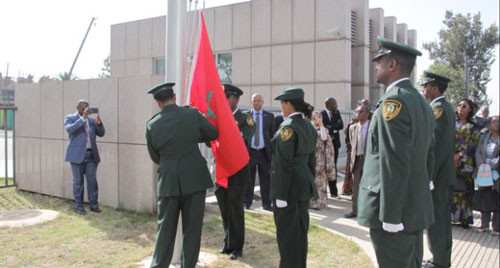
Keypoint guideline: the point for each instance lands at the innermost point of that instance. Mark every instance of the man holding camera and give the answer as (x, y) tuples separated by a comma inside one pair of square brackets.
[(82, 153)]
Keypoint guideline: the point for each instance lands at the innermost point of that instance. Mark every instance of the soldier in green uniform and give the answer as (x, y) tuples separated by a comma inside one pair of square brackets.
[(292, 178), (439, 233), (395, 200), (172, 138), (230, 200)]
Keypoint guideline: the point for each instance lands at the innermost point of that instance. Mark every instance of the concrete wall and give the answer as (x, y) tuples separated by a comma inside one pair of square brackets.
[(360, 82), (412, 41), (126, 175), (377, 21)]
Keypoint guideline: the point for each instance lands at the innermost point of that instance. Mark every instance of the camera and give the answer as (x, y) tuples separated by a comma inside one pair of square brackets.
[(94, 110)]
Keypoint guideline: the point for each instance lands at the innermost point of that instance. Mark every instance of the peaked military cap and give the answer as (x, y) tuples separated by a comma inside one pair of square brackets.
[(232, 90), (388, 46), (433, 77), (162, 90), (291, 93)]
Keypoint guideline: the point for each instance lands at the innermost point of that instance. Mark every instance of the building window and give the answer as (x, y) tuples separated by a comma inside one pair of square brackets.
[(386, 34), (159, 66), (224, 63), (370, 33)]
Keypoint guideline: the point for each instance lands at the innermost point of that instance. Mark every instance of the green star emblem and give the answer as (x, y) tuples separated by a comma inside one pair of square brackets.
[(209, 112)]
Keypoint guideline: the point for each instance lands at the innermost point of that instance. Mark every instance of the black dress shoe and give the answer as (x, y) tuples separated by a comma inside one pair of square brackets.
[(80, 211), (350, 215), (225, 250), (268, 208), (236, 254), (96, 210)]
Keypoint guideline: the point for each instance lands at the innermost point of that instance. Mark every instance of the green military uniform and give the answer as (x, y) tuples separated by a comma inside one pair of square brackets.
[(439, 234), (394, 188), (292, 180), (230, 200), (172, 140)]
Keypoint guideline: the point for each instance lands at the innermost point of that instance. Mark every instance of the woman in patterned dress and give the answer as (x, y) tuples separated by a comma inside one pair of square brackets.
[(325, 166), (466, 140)]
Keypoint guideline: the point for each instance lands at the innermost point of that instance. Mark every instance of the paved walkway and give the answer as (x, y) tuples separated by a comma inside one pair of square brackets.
[(470, 249)]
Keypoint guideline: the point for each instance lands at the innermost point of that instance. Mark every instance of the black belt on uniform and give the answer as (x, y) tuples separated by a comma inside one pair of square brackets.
[(257, 150)]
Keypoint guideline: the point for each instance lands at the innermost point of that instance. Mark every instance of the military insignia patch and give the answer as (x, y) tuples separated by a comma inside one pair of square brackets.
[(438, 111), (250, 121), (391, 109), (286, 133)]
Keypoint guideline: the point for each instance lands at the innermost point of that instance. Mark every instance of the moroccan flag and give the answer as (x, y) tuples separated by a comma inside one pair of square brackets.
[(207, 95)]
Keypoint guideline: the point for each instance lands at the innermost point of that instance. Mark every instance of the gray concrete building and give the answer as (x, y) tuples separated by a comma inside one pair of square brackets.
[(323, 46)]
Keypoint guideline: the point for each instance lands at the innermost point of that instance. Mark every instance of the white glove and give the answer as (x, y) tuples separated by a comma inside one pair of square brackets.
[(392, 228), (281, 203), (431, 185)]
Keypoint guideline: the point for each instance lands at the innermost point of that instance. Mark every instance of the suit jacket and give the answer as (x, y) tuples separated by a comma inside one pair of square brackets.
[(77, 143), (294, 160), (399, 162), (267, 130), (172, 138), (444, 134), (354, 131), (481, 152), (333, 125)]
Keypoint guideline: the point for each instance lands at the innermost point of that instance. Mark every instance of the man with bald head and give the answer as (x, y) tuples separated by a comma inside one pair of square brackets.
[(82, 153), (260, 152)]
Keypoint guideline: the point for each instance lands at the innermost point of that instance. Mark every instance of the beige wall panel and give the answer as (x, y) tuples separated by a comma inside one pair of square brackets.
[(261, 22), (136, 175), (51, 103), (303, 20), (333, 15), (135, 108), (118, 36), (241, 67), (275, 91), (245, 98), (333, 61), (281, 27), (390, 28), (159, 40), (340, 91), (223, 28), (51, 167), (402, 33), (28, 164), (132, 67), (242, 25), (107, 174), (28, 114), (265, 91), (146, 67), (303, 63), (261, 65), (117, 69), (132, 40), (281, 63), (145, 38)]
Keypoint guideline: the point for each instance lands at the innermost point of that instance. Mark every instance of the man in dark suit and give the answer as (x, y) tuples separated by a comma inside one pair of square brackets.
[(172, 138), (439, 234), (230, 200), (83, 154), (332, 120), (260, 152), (394, 198)]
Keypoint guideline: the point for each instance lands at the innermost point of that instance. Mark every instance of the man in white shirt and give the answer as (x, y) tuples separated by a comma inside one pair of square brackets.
[(357, 137)]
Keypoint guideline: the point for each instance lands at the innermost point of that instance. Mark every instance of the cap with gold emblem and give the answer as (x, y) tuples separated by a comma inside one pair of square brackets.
[(388, 46), (291, 93), (434, 77), (232, 90)]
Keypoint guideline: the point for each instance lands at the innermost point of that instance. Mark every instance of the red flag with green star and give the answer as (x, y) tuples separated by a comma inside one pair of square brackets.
[(207, 95)]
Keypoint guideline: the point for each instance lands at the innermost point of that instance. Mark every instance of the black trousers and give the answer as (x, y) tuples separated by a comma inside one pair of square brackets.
[(192, 207), (439, 233), (333, 184), (259, 162), (230, 203), (398, 250), (292, 225)]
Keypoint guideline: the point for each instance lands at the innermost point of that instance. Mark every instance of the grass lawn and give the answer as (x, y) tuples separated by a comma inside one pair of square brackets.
[(117, 238), (10, 181)]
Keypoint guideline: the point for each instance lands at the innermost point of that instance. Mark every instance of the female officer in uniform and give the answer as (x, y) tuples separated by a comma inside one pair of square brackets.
[(292, 178)]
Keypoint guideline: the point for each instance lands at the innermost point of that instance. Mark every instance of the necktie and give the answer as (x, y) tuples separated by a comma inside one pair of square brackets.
[(88, 135), (257, 131)]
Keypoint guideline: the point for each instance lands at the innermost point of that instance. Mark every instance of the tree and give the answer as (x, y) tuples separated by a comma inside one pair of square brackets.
[(462, 36), (106, 69), (27, 79), (66, 76), (44, 78)]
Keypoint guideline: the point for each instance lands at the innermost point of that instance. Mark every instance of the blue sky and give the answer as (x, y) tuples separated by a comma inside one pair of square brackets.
[(42, 37)]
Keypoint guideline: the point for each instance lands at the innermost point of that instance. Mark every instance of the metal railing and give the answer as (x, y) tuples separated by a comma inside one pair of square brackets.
[(7, 125)]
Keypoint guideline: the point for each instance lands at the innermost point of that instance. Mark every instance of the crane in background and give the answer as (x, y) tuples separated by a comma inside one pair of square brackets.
[(81, 46)]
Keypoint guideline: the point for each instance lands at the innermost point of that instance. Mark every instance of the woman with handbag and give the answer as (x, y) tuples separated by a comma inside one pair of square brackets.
[(486, 197)]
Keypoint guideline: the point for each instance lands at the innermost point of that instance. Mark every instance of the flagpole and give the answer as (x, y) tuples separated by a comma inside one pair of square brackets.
[(175, 60)]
